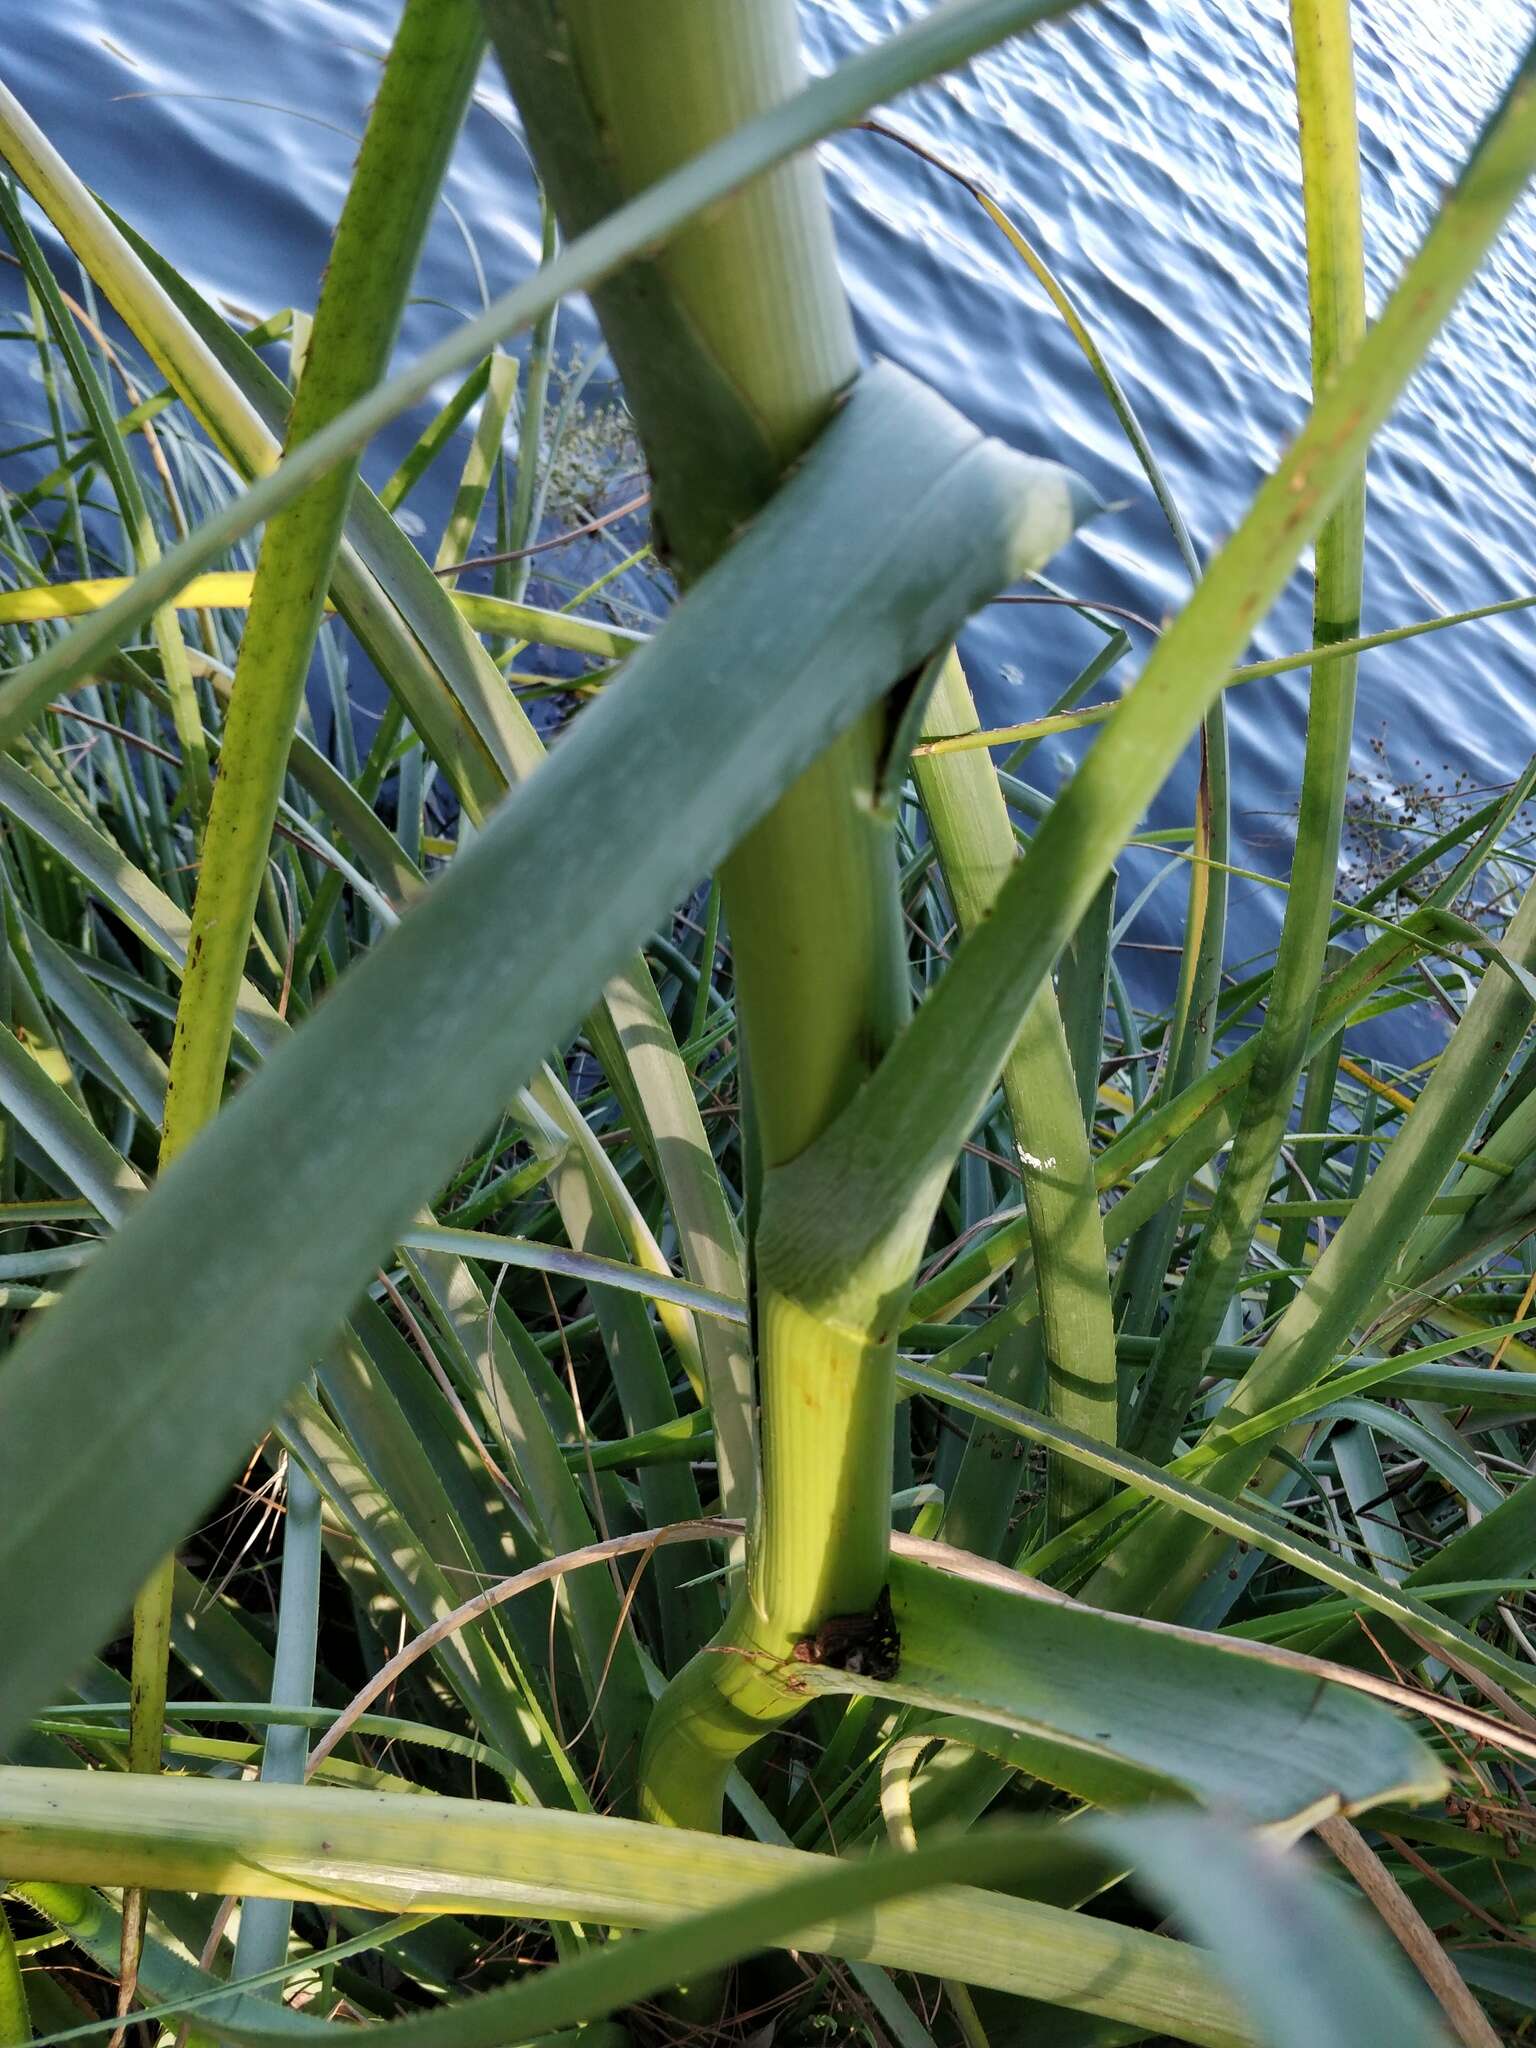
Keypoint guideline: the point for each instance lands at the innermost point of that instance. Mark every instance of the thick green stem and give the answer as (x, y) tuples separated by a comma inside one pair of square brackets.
[(734, 339), (151, 1655), (734, 343), (826, 1431), (817, 1550), (149, 1671), (815, 923)]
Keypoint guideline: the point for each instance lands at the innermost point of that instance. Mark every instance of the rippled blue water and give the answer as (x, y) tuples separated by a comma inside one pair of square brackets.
[(1149, 149)]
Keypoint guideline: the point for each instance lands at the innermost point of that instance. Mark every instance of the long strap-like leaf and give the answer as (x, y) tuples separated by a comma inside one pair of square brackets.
[(1336, 274), (901, 515), (411, 130)]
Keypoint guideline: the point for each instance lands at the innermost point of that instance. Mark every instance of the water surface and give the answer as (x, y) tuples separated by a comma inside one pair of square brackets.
[(1150, 152)]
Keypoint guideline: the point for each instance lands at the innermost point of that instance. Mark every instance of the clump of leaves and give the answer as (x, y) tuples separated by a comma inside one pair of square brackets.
[(637, 1291)]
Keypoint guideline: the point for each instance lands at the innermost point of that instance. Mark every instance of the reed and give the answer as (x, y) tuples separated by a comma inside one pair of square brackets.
[(777, 1386)]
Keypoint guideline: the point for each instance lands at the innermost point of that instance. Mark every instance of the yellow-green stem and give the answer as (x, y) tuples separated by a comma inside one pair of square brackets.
[(815, 924), (394, 189), (411, 129), (826, 1421), (1336, 277), (973, 835), (735, 342), (815, 1550)]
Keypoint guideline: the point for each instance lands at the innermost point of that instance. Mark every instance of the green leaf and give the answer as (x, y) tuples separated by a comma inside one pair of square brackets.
[(380, 1851), (411, 129), (589, 1267), (67, 1136), (899, 522), (1233, 1519), (1302, 1960), (1308, 1972), (1325, 94), (1268, 1742)]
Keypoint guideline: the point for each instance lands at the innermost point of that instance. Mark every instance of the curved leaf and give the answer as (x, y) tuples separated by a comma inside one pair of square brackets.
[(1269, 1742), (1309, 1973), (899, 521)]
